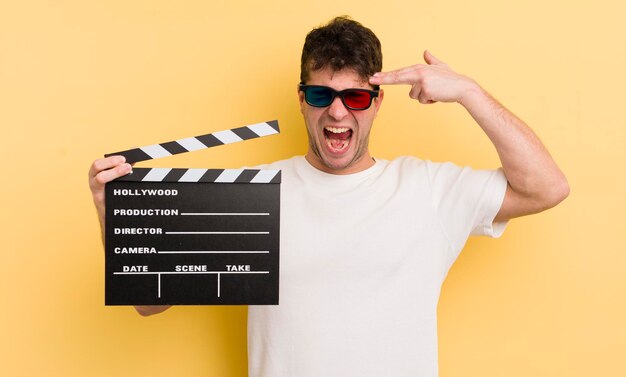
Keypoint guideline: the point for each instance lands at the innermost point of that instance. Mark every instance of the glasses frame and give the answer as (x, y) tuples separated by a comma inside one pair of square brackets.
[(341, 93)]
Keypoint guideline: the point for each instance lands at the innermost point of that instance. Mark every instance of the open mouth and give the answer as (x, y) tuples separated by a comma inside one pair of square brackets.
[(337, 138)]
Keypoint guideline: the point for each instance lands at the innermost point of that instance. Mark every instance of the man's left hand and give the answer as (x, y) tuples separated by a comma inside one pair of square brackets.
[(430, 83)]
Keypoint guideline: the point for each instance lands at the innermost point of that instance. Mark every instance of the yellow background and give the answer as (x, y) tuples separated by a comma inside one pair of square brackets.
[(82, 78)]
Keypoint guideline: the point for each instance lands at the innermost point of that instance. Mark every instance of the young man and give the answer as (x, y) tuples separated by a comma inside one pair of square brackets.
[(366, 243)]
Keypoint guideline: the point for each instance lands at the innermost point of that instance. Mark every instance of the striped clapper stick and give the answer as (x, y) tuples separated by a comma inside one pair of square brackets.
[(195, 143), (177, 236)]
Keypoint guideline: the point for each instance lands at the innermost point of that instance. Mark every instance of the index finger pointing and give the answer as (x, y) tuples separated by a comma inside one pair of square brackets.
[(402, 76)]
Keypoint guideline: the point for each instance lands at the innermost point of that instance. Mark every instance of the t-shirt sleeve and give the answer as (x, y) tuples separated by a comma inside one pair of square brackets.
[(467, 201)]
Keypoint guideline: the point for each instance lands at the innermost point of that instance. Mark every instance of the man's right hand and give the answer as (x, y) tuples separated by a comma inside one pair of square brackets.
[(105, 170)]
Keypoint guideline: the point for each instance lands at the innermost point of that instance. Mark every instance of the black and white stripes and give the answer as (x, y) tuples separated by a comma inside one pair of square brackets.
[(202, 175), (191, 144)]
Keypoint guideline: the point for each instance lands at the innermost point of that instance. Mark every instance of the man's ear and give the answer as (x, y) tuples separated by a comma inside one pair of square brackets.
[(300, 97), (379, 100)]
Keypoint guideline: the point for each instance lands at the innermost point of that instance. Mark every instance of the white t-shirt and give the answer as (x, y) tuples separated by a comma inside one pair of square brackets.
[(362, 260)]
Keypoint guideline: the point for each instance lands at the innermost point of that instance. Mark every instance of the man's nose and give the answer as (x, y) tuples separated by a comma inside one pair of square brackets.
[(337, 110)]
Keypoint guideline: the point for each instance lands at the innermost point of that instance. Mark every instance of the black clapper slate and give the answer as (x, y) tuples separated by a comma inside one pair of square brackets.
[(193, 236)]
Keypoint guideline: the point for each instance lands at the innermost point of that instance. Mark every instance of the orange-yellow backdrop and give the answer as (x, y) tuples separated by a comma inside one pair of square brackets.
[(82, 78)]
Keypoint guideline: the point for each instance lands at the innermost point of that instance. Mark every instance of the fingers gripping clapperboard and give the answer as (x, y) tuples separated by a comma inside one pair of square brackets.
[(193, 236)]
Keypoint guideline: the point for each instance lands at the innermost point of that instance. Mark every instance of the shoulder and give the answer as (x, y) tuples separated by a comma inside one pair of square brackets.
[(405, 166), (439, 174), (415, 163)]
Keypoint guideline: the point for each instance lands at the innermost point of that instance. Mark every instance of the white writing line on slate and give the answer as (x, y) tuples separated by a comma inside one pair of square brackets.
[(188, 272), (211, 252), (217, 232), (223, 214)]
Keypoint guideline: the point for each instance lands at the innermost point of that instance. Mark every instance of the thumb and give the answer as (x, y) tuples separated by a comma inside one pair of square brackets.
[(431, 59)]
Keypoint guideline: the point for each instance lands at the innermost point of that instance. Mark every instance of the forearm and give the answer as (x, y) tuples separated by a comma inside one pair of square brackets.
[(527, 165)]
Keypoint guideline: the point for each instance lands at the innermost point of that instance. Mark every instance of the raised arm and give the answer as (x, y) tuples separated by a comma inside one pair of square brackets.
[(102, 171), (535, 182)]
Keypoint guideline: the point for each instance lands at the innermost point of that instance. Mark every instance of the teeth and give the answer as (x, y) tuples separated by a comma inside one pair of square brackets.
[(336, 130)]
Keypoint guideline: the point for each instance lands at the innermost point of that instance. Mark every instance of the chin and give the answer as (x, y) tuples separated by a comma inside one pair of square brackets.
[(339, 165)]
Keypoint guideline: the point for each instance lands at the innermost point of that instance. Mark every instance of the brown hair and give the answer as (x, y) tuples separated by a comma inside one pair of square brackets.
[(341, 44)]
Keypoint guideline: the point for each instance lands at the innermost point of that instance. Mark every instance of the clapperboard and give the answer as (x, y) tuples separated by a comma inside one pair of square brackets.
[(193, 236)]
